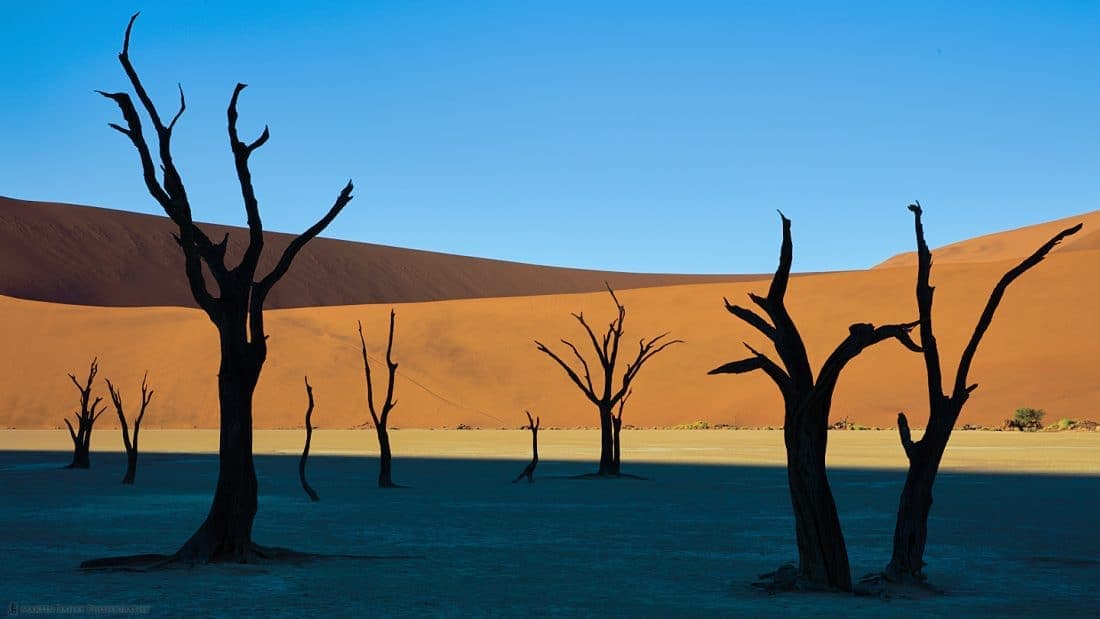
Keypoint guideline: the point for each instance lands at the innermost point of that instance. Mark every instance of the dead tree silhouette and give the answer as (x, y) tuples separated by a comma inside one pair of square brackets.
[(385, 456), (617, 452), (911, 531), (130, 445), (305, 450), (607, 351), (237, 311), (529, 472), (822, 554), (85, 419)]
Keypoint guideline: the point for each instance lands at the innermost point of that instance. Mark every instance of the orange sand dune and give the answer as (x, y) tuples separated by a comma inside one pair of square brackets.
[(94, 256), (473, 361), (1013, 244)]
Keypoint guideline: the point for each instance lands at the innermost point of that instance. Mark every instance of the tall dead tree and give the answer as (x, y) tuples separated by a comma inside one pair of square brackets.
[(85, 418), (236, 309), (822, 554), (305, 450), (130, 445), (529, 471), (911, 530), (607, 397), (385, 456)]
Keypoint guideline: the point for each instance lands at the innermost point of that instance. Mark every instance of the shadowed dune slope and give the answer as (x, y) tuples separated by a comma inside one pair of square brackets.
[(92, 256), (473, 361), (1009, 245)]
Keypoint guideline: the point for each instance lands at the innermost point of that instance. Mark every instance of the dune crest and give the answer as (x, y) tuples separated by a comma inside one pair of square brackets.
[(93, 256), (1009, 245)]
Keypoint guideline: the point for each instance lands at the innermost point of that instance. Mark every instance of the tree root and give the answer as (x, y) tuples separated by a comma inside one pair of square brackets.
[(787, 579), (887, 587), (254, 554)]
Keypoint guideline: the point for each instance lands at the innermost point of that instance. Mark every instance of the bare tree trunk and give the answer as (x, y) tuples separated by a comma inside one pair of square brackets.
[(911, 529), (305, 450), (617, 456), (131, 468), (617, 420), (529, 471), (607, 442), (822, 553), (226, 534), (81, 459), (385, 456)]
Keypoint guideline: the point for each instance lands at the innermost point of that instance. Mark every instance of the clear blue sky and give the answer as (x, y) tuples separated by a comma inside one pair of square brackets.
[(632, 136)]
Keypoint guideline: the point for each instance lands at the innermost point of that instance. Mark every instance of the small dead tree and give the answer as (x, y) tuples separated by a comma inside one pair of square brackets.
[(305, 450), (235, 307), (822, 554), (85, 418), (130, 445), (911, 531), (385, 476), (607, 397), (529, 472)]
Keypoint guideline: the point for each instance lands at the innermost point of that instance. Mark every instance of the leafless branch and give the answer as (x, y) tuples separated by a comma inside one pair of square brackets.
[(995, 297), (590, 394)]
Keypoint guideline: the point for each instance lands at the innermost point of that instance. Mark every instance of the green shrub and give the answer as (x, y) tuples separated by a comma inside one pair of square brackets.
[(1063, 424), (1028, 418)]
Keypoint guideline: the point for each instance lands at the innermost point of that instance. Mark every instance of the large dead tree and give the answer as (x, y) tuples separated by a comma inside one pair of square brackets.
[(85, 419), (131, 445), (911, 530), (529, 471), (822, 554), (606, 396), (380, 418), (235, 306), (305, 450)]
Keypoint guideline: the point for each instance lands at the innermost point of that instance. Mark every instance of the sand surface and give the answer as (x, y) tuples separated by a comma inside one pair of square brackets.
[(976, 451), (684, 542), (474, 361)]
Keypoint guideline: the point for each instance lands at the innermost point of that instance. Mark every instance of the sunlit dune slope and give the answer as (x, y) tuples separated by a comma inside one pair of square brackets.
[(473, 361), (1012, 244), (92, 256)]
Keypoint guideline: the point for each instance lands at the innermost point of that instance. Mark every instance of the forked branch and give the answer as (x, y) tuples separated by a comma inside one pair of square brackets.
[(586, 385), (389, 403), (646, 351), (995, 297), (300, 241), (862, 336), (241, 153), (758, 361)]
